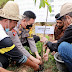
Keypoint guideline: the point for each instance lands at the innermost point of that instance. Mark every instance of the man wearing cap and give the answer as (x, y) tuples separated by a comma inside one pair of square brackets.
[(63, 45), (58, 31), (9, 16), (23, 31)]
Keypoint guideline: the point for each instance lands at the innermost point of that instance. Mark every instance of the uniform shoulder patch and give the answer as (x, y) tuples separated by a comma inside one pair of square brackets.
[(14, 32)]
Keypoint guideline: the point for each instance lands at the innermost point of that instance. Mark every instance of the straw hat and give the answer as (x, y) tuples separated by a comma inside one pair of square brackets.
[(66, 8), (10, 11)]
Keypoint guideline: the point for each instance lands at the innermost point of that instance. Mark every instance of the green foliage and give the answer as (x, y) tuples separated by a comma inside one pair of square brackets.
[(43, 3), (50, 64), (12, 68), (50, 9), (28, 49), (47, 37), (39, 47), (3, 2), (35, 1), (30, 70)]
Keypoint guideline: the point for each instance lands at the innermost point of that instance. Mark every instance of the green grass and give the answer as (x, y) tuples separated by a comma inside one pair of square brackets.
[(3, 2), (50, 64)]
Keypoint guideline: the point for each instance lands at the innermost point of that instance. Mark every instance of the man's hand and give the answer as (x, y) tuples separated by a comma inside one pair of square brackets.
[(45, 56), (38, 57), (43, 39), (37, 61), (53, 53), (36, 68)]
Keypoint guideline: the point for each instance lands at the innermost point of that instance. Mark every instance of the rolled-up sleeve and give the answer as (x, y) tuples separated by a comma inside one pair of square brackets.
[(23, 59), (18, 44)]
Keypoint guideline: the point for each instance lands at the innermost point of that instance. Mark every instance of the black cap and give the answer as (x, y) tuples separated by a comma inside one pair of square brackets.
[(57, 15), (59, 18)]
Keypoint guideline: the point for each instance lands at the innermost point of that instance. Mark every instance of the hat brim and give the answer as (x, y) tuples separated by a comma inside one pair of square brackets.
[(59, 18), (12, 17)]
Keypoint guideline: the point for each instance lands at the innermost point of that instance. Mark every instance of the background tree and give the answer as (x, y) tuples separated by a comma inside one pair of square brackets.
[(43, 3), (3, 2)]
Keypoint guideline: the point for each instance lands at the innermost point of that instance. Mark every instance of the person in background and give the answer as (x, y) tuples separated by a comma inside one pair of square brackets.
[(59, 28), (58, 31)]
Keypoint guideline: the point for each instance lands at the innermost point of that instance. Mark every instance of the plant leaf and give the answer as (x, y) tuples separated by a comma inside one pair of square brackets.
[(42, 3), (47, 3), (50, 9), (35, 2)]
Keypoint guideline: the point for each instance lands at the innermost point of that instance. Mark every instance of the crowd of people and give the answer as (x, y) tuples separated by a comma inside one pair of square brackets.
[(16, 32)]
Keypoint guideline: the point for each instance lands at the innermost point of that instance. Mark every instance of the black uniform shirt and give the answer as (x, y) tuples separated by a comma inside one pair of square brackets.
[(67, 37)]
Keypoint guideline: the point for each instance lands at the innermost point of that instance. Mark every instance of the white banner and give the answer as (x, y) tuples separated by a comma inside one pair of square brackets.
[(40, 29)]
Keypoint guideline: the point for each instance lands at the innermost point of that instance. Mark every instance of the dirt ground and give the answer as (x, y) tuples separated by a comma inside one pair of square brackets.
[(25, 69)]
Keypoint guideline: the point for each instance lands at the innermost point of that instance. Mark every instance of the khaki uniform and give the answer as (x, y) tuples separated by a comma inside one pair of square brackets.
[(23, 34)]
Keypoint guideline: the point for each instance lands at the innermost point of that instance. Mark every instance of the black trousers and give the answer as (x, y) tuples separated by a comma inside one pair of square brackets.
[(4, 62), (1, 64), (36, 38)]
